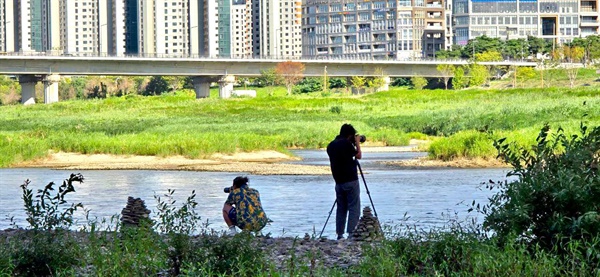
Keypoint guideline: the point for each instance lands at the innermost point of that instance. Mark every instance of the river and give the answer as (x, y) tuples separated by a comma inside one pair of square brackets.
[(297, 204)]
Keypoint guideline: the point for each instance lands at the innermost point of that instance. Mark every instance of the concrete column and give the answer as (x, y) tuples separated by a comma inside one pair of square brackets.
[(28, 83), (202, 86), (51, 88), (386, 84), (226, 86)]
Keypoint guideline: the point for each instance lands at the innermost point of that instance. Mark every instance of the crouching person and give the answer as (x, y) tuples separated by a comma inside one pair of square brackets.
[(243, 208)]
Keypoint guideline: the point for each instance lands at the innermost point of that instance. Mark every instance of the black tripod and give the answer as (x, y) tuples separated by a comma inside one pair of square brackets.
[(368, 193)]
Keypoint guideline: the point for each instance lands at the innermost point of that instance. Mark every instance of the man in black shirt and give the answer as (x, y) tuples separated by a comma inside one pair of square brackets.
[(343, 151)]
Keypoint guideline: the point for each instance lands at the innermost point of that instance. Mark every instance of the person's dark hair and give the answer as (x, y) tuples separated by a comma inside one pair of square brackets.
[(347, 130), (240, 181)]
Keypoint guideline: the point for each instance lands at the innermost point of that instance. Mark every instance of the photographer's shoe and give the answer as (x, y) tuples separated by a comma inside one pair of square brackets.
[(340, 237), (232, 231)]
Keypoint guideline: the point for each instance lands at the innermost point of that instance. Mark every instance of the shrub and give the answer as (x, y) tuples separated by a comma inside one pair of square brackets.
[(226, 256), (49, 246), (459, 81), (309, 85), (418, 82), (46, 213), (337, 82), (401, 82), (178, 224), (556, 197)]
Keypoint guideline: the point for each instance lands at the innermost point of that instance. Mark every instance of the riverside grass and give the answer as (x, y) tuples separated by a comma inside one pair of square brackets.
[(462, 124)]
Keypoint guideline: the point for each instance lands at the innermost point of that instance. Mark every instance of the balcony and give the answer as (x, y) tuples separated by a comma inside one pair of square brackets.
[(584, 23), (588, 9), (434, 28)]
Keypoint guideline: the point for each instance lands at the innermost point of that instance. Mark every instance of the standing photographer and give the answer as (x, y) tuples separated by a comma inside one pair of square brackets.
[(243, 207), (343, 151)]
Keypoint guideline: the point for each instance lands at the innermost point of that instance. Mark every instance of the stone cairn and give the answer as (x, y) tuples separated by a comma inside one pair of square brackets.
[(134, 212), (368, 227)]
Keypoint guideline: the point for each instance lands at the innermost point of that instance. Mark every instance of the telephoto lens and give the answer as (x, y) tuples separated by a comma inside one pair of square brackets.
[(227, 190), (363, 138)]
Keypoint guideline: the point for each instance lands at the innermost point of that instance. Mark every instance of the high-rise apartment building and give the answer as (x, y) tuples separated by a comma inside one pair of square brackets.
[(83, 22), (280, 29), (163, 27), (556, 20), (388, 29), (203, 28), (29, 25), (235, 28), (7, 26)]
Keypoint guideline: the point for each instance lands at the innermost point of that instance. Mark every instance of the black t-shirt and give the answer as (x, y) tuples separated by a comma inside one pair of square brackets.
[(341, 158)]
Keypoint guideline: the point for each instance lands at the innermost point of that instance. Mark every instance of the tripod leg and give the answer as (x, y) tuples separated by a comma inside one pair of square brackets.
[(334, 202), (366, 187)]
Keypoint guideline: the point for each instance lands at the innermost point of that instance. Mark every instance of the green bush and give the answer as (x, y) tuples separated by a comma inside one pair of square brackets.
[(418, 82), (337, 83), (178, 224), (401, 82), (309, 85), (49, 247), (459, 81), (556, 198), (226, 256)]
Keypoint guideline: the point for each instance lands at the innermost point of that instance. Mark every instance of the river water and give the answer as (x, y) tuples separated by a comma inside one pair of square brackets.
[(297, 204)]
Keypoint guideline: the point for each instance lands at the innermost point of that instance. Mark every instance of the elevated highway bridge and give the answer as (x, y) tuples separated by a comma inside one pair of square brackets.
[(48, 69)]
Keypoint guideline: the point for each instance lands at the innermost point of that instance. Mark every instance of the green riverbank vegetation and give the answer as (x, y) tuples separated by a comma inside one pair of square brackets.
[(459, 123), (544, 222)]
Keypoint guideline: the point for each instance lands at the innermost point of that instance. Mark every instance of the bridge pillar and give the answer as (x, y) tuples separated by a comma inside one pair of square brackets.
[(51, 88), (28, 83), (201, 86), (386, 84), (226, 86)]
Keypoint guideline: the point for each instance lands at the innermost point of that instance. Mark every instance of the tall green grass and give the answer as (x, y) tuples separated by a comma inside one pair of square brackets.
[(179, 124)]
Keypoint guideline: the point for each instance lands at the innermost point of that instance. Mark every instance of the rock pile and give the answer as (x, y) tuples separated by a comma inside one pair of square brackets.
[(368, 227), (134, 212)]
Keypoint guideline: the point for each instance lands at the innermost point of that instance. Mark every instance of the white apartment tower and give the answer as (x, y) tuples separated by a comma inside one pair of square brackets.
[(235, 28), (81, 26), (7, 26), (281, 28), (164, 27)]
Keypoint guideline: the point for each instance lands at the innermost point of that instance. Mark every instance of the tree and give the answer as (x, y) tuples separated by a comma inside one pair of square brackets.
[(358, 81), (453, 53), (538, 45), (516, 49), (479, 75), (378, 80), (459, 81), (418, 82), (570, 55), (267, 78), (290, 73), (446, 70), (489, 56), (481, 44), (156, 86), (525, 73)]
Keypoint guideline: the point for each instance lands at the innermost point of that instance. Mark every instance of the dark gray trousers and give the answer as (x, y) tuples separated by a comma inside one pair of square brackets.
[(348, 205)]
